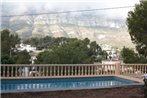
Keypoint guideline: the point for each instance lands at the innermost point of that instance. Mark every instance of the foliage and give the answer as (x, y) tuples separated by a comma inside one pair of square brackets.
[(73, 51), (46, 42), (59, 50), (22, 57), (129, 56), (8, 42), (5, 59), (137, 25), (9, 53)]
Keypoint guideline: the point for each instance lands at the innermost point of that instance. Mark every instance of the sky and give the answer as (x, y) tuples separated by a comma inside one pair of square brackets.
[(70, 5), (129, 1)]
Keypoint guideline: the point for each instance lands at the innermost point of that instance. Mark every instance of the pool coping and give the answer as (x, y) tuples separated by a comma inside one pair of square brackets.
[(48, 77), (130, 78)]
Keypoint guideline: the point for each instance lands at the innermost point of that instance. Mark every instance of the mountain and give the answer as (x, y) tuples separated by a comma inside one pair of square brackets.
[(99, 28)]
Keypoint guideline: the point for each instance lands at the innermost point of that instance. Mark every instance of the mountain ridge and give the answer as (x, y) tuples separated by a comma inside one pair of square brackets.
[(102, 29)]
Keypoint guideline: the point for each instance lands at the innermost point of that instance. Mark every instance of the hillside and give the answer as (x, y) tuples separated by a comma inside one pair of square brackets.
[(103, 29)]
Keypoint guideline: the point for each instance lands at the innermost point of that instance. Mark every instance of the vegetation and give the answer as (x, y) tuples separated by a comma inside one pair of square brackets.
[(8, 42), (73, 51), (22, 57), (137, 25), (46, 42), (58, 50), (9, 53), (129, 56)]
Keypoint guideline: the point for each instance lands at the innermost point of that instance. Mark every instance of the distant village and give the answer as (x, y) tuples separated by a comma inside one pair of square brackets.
[(112, 58)]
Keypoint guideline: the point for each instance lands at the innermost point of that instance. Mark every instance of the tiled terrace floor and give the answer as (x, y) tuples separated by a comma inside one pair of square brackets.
[(120, 92)]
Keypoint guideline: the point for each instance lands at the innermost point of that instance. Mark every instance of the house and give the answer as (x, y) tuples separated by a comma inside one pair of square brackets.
[(28, 48)]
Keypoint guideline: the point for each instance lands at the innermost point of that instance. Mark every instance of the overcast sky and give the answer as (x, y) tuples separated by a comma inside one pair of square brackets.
[(131, 1), (62, 5)]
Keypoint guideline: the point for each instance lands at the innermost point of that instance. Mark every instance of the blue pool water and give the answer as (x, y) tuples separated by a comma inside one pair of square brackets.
[(34, 85)]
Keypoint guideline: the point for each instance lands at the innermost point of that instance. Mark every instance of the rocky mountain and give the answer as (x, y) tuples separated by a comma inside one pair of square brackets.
[(96, 27)]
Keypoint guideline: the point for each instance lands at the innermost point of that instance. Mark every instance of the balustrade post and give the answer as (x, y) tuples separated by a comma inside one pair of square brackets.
[(11, 71), (95, 70), (58, 70), (75, 70), (88, 70), (15, 71), (72, 70), (47, 71), (79, 70), (117, 68), (91, 70), (54, 70), (82, 70), (43, 71), (40, 70), (51, 70), (142, 69), (4, 72), (68, 70), (65, 71), (7, 71), (61, 70), (110, 69)]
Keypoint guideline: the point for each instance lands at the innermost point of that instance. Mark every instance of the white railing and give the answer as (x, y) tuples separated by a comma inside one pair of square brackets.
[(69, 70), (128, 69), (55, 70)]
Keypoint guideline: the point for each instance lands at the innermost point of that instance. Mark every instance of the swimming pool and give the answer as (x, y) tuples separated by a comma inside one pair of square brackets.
[(34, 85)]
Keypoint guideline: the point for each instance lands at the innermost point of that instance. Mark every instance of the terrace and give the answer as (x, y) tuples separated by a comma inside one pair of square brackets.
[(133, 72)]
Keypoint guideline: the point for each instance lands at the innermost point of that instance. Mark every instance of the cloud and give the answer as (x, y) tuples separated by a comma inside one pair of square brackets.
[(70, 5)]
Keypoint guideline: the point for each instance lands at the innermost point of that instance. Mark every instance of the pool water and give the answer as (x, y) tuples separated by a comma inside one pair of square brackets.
[(34, 85)]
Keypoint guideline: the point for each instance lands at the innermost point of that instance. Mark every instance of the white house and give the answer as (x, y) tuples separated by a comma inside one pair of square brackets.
[(28, 48), (113, 53)]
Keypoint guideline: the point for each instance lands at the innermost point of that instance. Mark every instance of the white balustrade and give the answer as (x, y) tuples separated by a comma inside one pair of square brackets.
[(128, 69), (67, 70)]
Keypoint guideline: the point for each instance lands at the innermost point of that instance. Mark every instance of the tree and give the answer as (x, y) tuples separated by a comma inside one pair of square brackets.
[(67, 53), (34, 41), (5, 59), (46, 42), (137, 26), (8, 42), (73, 51), (129, 56), (8, 55), (22, 57)]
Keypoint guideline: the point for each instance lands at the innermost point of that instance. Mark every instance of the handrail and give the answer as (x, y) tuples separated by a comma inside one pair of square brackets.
[(53, 64), (134, 64)]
